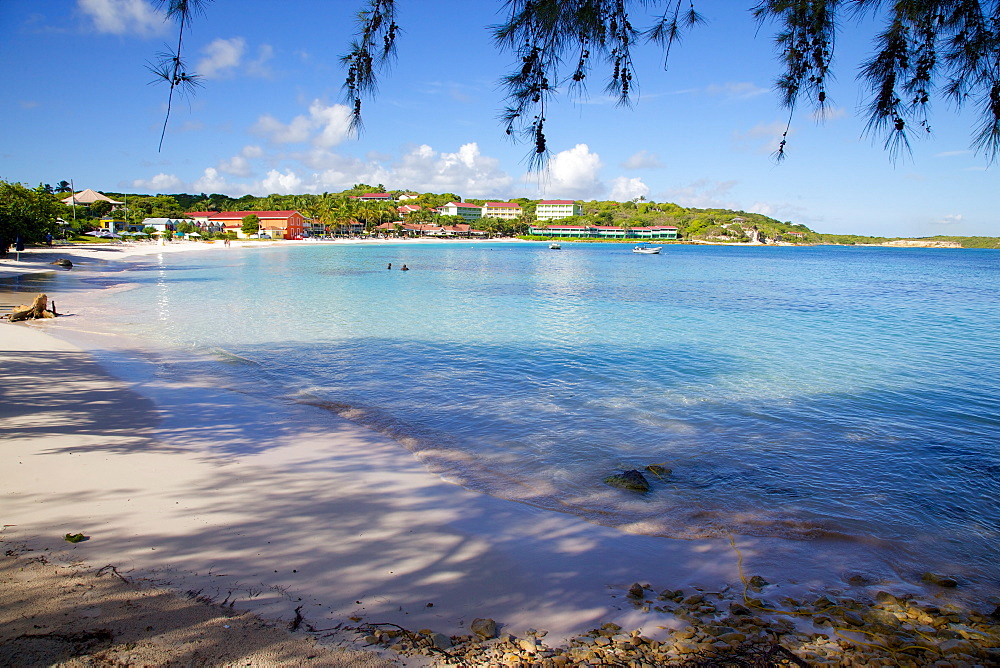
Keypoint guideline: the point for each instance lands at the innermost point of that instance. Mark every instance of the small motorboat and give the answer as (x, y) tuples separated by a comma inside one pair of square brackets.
[(647, 250), (554, 246)]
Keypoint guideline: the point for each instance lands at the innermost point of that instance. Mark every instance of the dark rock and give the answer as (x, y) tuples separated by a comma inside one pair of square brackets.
[(484, 628), (757, 583), (885, 597), (739, 609), (63, 262), (860, 579), (636, 591), (658, 471), (940, 580), (631, 480), (996, 613), (882, 621)]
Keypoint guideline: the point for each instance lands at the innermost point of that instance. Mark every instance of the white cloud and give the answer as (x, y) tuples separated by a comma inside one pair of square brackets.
[(574, 174), (325, 126), (762, 138), (221, 57), (951, 219), (782, 211), (239, 165), (124, 17), (704, 194), (160, 183), (467, 171), (624, 189), (643, 160), (277, 132), (288, 183), (829, 113), (739, 90), (212, 182), (333, 122), (258, 66), (952, 154)]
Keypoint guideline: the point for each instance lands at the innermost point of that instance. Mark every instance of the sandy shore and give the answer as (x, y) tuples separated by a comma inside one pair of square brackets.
[(286, 511), (284, 508)]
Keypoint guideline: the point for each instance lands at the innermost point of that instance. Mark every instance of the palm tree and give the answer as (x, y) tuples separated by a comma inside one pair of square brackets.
[(342, 210)]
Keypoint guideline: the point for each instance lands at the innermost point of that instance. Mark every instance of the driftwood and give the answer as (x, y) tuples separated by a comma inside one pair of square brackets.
[(36, 310)]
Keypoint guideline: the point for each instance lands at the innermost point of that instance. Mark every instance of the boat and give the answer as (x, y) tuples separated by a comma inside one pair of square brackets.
[(554, 246), (647, 250)]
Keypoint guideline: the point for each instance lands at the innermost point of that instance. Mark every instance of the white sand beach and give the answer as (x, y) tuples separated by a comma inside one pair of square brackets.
[(330, 520)]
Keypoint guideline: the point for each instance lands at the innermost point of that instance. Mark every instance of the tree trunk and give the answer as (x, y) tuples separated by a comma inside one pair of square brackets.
[(36, 310)]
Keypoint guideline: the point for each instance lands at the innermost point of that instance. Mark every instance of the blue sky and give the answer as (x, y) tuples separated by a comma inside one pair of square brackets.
[(77, 105)]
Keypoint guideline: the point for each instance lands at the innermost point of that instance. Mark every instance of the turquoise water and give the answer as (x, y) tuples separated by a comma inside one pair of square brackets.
[(810, 393)]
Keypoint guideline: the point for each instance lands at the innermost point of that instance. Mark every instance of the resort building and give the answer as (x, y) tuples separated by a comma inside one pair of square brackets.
[(315, 227), (667, 232), (200, 217), (502, 210), (553, 209), (375, 197), (88, 197), (576, 231), (408, 209), (608, 231), (431, 230), (163, 224), (663, 232), (467, 211), (275, 224)]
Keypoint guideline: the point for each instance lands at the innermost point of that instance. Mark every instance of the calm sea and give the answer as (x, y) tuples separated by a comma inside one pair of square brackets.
[(809, 393)]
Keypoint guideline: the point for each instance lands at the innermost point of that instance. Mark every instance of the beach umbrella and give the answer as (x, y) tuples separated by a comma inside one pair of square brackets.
[(194, 234)]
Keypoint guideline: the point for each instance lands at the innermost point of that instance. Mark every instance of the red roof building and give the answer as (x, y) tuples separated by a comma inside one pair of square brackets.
[(551, 209), (276, 224), (502, 210), (375, 197)]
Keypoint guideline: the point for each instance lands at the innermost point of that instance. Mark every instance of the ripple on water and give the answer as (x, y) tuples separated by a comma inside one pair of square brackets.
[(793, 392)]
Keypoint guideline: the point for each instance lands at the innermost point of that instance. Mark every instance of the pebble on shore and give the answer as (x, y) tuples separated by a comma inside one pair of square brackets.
[(708, 628)]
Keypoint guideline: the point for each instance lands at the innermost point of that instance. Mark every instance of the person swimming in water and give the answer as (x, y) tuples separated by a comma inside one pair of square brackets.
[(405, 268), (390, 266)]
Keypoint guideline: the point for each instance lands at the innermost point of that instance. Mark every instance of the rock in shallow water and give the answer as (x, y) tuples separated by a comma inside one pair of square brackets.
[(630, 480), (940, 580)]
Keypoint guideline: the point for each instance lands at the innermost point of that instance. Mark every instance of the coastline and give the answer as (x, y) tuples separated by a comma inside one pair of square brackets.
[(263, 527)]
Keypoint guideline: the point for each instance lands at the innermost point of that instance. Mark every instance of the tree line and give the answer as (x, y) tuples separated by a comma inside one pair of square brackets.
[(31, 213)]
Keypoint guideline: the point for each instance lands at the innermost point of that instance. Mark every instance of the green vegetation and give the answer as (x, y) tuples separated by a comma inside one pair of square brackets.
[(969, 242), (717, 225), (250, 224), (26, 214), (31, 214)]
